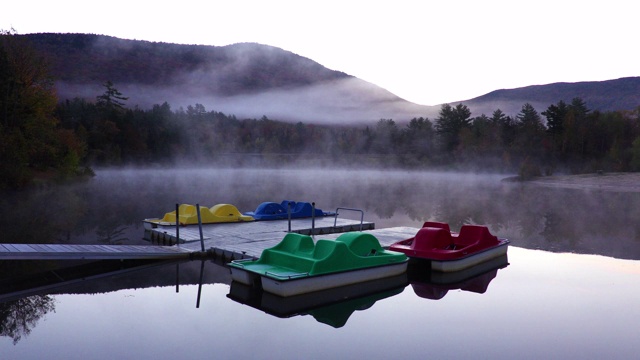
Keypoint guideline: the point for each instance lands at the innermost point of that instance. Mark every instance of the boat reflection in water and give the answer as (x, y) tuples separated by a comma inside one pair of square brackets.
[(435, 285), (332, 306)]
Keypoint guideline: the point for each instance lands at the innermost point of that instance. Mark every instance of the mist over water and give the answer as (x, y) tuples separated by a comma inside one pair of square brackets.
[(110, 207), (544, 301), (332, 102)]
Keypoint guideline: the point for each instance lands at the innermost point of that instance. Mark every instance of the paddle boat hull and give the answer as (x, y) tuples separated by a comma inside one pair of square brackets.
[(470, 260), (295, 286), (297, 266), (449, 251)]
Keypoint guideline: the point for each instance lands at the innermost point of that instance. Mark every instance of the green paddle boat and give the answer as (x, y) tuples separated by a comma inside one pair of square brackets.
[(297, 265)]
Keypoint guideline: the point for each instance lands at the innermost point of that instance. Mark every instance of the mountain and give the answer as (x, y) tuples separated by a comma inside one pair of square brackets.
[(609, 95), (247, 80), (252, 80)]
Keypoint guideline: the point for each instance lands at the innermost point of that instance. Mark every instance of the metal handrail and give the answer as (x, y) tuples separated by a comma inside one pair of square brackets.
[(335, 219)]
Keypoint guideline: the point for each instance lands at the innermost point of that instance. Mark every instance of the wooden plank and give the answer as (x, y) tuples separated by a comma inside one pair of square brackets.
[(12, 248), (23, 247), (64, 247), (109, 249), (49, 248), (7, 248), (83, 251)]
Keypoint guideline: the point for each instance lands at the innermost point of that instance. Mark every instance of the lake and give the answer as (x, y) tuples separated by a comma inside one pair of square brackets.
[(567, 290)]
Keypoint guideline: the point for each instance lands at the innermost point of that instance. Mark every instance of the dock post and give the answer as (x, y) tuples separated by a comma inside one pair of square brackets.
[(200, 226), (177, 277), (178, 224), (313, 218), (289, 214), (200, 284)]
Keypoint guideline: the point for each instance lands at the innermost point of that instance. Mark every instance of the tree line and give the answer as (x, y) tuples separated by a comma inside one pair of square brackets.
[(40, 135)]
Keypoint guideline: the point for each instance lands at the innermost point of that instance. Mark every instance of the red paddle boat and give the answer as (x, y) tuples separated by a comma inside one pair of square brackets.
[(450, 251)]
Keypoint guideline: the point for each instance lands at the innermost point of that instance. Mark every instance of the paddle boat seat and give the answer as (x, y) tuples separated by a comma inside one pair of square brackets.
[(294, 252), (295, 243), (186, 210), (432, 238), (324, 248), (435, 224), (361, 244), (475, 234)]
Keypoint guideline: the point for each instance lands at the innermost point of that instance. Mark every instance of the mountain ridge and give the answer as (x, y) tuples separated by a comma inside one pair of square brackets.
[(606, 95), (252, 80)]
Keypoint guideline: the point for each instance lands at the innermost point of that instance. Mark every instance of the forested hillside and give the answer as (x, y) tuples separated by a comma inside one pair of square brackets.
[(249, 80), (609, 95), (226, 70), (41, 133)]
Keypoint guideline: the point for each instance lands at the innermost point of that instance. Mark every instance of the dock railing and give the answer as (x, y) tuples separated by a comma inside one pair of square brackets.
[(335, 219)]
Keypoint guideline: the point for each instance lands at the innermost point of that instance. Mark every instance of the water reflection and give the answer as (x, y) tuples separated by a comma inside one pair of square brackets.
[(543, 304), (110, 207), (19, 317), (25, 299), (332, 307), (435, 285)]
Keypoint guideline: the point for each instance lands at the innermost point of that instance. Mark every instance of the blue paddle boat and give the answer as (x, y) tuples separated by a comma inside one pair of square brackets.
[(280, 211)]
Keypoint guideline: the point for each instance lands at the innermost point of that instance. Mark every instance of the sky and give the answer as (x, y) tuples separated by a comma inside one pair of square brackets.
[(427, 52)]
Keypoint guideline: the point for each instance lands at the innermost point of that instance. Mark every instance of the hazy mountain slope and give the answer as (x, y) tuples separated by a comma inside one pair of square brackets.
[(252, 80), (248, 80), (619, 94)]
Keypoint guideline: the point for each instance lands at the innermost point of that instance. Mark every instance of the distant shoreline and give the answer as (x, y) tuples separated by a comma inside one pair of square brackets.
[(620, 182)]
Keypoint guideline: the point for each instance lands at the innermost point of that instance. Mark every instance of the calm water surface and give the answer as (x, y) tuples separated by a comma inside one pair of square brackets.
[(569, 289)]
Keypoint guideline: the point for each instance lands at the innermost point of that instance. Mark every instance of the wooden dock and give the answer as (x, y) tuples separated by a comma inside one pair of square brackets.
[(254, 230), (225, 241), (89, 252)]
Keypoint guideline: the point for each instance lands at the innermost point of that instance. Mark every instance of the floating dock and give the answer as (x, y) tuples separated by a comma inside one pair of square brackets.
[(227, 241), (247, 239), (221, 233)]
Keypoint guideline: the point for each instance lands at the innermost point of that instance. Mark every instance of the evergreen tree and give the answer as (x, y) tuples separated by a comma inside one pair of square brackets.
[(555, 115), (111, 99), (450, 122)]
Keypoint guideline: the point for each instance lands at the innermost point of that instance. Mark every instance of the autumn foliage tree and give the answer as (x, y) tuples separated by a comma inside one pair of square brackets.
[(30, 139)]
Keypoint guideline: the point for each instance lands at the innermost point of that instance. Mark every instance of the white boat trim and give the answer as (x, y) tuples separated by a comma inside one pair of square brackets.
[(307, 284), (243, 276), (469, 261)]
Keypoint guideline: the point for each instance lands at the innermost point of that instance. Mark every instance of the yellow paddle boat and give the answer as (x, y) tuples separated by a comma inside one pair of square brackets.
[(188, 215)]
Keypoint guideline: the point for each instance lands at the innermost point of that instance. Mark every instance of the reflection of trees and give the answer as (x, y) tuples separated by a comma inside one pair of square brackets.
[(109, 207), (18, 318), (111, 234)]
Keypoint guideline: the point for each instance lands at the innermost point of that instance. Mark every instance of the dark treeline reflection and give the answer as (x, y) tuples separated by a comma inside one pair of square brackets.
[(108, 209), (19, 317), (26, 299)]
